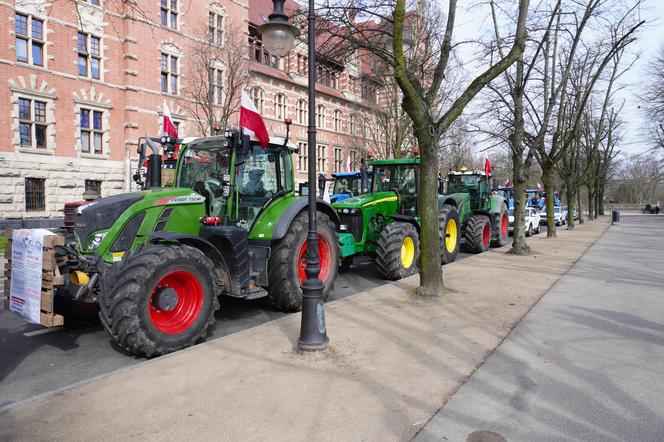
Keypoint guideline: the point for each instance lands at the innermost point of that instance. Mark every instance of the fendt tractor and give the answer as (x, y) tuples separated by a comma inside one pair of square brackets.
[(385, 222), (484, 216), (231, 224)]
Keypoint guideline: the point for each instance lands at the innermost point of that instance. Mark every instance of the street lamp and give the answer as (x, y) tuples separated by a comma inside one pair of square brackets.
[(278, 37)]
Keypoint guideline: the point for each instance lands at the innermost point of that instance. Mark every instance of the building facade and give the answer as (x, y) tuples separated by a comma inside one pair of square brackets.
[(83, 80)]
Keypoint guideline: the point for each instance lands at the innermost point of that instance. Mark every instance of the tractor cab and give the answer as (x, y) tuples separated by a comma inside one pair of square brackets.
[(474, 183), (400, 177), (346, 185)]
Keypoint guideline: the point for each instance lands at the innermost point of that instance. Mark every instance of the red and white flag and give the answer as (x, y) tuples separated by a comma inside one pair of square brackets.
[(487, 165), (507, 183), (169, 127), (348, 163), (251, 121), (539, 186)]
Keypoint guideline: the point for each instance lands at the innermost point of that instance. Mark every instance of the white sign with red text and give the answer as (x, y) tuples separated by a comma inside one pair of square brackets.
[(26, 275)]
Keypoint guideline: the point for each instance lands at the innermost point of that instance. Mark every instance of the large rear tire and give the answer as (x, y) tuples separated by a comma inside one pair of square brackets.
[(501, 228), (159, 299), (398, 251), (449, 229), (288, 260), (477, 236)]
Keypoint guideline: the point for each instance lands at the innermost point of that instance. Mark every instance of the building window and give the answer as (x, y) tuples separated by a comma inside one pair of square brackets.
[(280, 106), (258, 53), (32, 123), (216, 28), (338, 159), (35, 198), (301, 112), (322, 158), (217, 85), (169, 13), (29, 39), (351, 125), (258, 96), (327, 77), (89, 56), (94, 2), (353, 159), (91, 131), (169, 73), (337, 121), (93, 185), (302, 156), (320, 116)]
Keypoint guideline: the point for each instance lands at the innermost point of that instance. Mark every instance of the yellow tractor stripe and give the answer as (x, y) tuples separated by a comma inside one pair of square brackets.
[(382, 200)]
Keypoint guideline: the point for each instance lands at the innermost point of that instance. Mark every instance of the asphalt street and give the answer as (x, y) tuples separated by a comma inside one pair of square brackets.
[(585, 363)]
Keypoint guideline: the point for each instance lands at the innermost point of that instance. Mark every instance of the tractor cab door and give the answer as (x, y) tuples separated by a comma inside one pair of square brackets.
[(484, 190), (407, 191), (259, 175)]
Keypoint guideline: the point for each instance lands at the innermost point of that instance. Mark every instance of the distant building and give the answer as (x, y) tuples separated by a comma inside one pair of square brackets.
[(82, 81)]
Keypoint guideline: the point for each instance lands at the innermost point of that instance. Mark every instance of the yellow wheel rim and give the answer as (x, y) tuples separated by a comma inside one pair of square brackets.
[(407, 252), (451, 236)]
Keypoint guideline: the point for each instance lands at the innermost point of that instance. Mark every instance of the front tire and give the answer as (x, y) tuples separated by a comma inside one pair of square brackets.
[(501, 228), (288, 260), (159, 299), (397, 251), (529, 232), (477, 236), (449, 232)]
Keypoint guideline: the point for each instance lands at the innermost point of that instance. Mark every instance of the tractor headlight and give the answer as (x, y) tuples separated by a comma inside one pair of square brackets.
[(353, 211), (96, 240), (345, 210)]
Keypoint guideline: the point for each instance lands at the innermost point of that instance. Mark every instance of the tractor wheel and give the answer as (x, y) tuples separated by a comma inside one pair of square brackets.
[(478, 234), (159, 299), (448, 225), (398, 250), (501, 228), (288, 260)]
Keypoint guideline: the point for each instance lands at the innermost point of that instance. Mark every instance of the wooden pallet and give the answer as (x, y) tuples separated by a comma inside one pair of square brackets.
[(51, 278)]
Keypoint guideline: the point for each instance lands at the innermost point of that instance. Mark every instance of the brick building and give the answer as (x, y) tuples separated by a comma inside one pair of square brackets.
[(83, 80)]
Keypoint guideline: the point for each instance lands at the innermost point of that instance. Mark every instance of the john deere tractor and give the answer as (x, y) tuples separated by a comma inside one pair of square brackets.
[(484, 216), (385, 222), (155, 261)]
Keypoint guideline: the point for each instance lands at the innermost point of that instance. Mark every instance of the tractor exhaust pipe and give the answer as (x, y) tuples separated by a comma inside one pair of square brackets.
[(154, 165), (364, 178)]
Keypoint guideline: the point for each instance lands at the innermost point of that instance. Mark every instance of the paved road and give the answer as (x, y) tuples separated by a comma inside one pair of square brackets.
[(586, 363), (35, 360)]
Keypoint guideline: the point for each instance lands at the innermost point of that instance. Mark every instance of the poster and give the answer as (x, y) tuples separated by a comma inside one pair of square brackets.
[(26, 280)]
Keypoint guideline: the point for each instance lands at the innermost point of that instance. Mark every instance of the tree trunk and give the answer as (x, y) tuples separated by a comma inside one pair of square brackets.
[(431, 275), (571, 201), (591, 203), (547, 181), (600, 200), (578, 195)]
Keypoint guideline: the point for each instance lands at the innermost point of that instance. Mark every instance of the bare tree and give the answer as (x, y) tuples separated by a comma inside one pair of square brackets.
[(653, 99), (216, 75)]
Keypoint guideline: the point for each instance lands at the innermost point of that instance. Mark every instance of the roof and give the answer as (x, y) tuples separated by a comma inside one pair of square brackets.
[(276, 141), (468, 172), (345, 174), (259, 10), (397, 161)]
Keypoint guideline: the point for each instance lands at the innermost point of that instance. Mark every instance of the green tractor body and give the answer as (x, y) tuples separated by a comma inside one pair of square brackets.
[(230, 224), (483, 215), (385, 222)]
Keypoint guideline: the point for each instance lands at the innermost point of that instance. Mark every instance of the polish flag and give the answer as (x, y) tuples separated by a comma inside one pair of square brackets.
[(251, 121), (507, 183), (169, 127), (487, 165), (539, 186)]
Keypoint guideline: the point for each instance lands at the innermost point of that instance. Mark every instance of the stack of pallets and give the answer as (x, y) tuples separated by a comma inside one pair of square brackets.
[(51, 277)]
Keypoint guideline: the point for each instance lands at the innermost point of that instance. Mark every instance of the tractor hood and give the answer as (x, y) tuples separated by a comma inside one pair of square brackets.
[(101, 215), (367, 200)]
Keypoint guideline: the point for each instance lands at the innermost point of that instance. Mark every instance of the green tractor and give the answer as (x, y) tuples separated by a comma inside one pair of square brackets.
[(484, 216), (385, 222), (231, 224)]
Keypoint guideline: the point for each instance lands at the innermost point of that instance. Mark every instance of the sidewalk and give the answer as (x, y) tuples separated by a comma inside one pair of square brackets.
[(394, 360), (586, 363)]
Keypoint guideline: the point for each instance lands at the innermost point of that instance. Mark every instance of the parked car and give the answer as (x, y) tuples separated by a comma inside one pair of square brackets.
[(532, 220), (559, 217)]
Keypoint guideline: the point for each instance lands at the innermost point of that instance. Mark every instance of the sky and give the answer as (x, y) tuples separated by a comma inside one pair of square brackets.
[(473, 21)]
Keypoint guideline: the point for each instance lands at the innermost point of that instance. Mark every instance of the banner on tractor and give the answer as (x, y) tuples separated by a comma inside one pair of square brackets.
[(26, 281)]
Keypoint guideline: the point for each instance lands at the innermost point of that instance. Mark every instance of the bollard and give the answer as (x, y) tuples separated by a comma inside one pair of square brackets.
[(615, 216)]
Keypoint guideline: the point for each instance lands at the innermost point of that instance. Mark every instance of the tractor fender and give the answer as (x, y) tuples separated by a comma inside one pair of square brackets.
[(447, 201), (288, 215), (407, 219), (205, 246)]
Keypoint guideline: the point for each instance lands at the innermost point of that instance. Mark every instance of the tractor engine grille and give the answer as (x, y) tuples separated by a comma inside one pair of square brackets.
[(353, 223)]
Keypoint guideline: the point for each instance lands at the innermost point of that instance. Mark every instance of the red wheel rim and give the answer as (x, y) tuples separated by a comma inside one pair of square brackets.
[(325, 253), (188, 307), (503, 226), (486, 234)]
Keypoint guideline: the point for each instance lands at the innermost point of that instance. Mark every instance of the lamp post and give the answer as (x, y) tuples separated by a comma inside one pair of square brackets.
[(278, 37)]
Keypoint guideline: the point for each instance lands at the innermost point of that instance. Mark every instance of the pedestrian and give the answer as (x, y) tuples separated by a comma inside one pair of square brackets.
[(657, 208)]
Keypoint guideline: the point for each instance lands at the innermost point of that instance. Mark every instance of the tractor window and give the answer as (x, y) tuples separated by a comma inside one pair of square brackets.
[(346, 185), (202, 170), (256, 182), (461, 183), (286, 171), (399, 179)]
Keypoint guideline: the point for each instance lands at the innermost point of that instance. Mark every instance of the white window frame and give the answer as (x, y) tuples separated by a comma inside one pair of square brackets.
[(216, 27), (32, 121), (280, 106), (320, 116), (321, 157), (169, 73), (302, 156), (338, 121), (302, 112), (169, 9), (89, 56), (338, 159), (30, 40), (258, 97)]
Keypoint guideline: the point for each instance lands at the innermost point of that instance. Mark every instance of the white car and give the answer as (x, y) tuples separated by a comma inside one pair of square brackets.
[(532, 221)]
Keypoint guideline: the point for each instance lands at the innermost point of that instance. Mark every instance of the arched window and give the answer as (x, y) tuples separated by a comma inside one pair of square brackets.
[(351, 126), (216, 24), (280, 106), (258, 96), (337, 120), (320, 116), (301, 112)]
